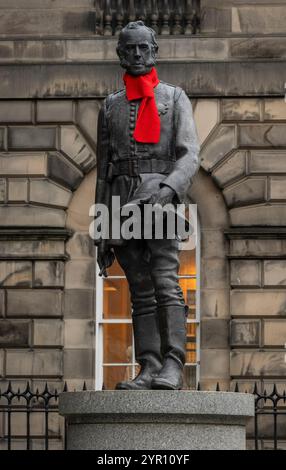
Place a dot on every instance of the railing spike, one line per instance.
(65, 389)
(217, 387)
(199, 386)
(84, 386)
(9, 389)
(255, 390)
(46, 389)
(236, 388)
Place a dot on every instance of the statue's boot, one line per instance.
(173, 331)
(147, 352)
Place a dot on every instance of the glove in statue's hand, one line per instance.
(163, 196)
(105, 258)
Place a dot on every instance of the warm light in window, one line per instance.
(118, 353)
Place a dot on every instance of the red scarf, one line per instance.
(147, 128)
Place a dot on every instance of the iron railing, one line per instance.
(164, 16)
(266, 431)
(19, 429)
(269, 405)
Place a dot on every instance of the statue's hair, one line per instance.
(137, 25)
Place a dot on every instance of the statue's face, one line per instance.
(137, 53)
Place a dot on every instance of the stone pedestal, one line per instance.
(156, 420)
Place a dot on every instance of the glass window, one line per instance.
(116, 302)
(115, 359)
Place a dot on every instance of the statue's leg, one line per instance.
(132, 259)
(172, 312)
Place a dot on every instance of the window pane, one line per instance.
(189, 290)
(115, 270)
(117, 337)
(191, 355)
(117, 343)
(187, 262)
(116, 299)
(189, 380)
(113, 375)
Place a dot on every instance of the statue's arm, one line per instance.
(187, 148)
(102, 154)
(102, 157)
(105, 256)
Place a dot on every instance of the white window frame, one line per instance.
(100, 321)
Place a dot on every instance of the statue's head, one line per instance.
(137, 48)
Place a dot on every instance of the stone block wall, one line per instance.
(243, 16)
(258, 300)
(258, 321)
(244, 332)
(47, 264)
(49, 17)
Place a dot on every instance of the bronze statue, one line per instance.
(155, 164)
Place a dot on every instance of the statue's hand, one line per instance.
(105, 258)
(163, 196)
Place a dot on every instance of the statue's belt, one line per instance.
(135, 166)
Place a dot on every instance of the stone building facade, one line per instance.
(57, 63)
